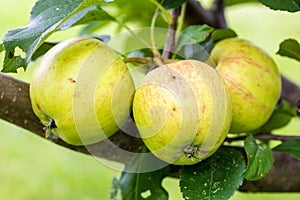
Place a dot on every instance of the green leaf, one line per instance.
(221, 34)
(194, 34)
(86, 16)
(195, 42)
(289, 146)
(234, 2)
(169, 4)
(43, 49)
(46, 17)
(280, 117)
(290, 48)
(92, 27)
(126, 10)
(196, 51)
(1, 48)
(217, 177)
(277, 120)
(48, 45)
(260, 159)
(286, 5)
(133, 185)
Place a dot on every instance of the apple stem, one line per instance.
(47, 129)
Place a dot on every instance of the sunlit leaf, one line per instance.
(260, 159)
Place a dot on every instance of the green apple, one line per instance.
(253, 80)
(182, 111)
(83, 87)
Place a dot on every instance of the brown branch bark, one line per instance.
(15, 107)
(214, 17)
(283, 177)
(290, 92)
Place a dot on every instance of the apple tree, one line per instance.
(175, 93)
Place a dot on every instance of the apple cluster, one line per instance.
(183, 110)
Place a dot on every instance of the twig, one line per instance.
(156, 55)
(181, 18)
(170, 41)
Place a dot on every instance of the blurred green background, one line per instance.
(34, 168)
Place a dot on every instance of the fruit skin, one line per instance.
(77, 84)
(253, 80)
(182, 111)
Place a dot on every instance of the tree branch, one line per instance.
(283, 177)
(290, 91)
(214, 17)
(15, 107)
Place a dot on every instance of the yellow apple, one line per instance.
(253, 80)
(83, 87)
(182, 111)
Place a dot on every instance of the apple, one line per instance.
(82, 90)
(253, 80)
(182, 111)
